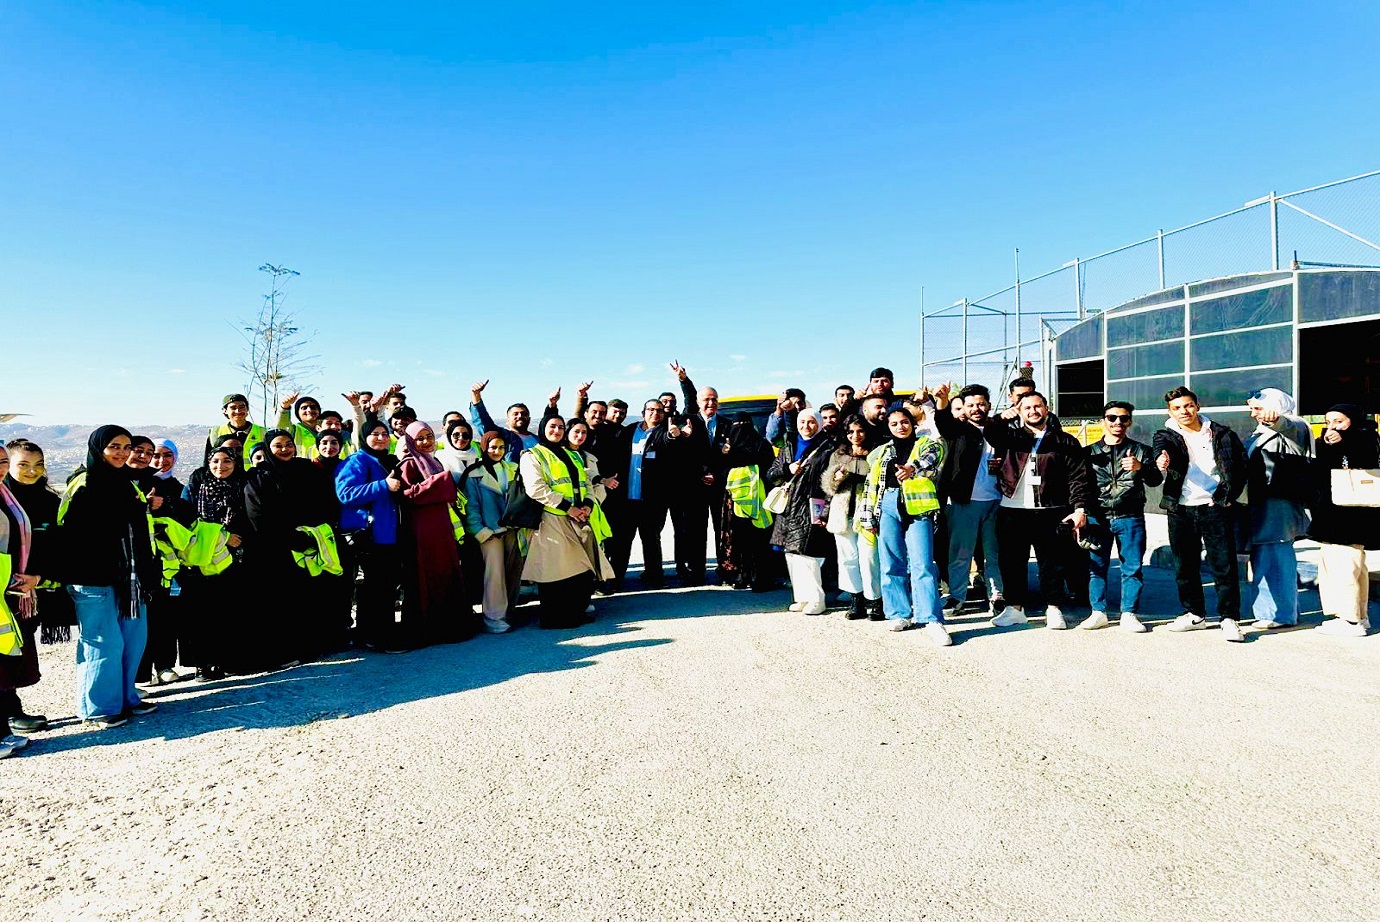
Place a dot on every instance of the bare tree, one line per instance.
(276, 358)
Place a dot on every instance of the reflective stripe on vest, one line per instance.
(749, 495)
(324, 558)
(562, 485)
(918, 493)
(11, 638)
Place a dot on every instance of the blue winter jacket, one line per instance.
(365, 500)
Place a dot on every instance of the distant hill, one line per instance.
(64, 447)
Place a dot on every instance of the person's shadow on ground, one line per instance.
(358, 682)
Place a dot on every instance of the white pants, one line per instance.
(501, 559)
(807, 580)
(859, 569)
(1343, 582)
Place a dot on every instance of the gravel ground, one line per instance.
(705, 755)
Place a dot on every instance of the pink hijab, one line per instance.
(425, 460)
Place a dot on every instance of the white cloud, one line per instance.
(738, 357)
(177, 371)
(636, 369)
(547, 363)
(371, 363)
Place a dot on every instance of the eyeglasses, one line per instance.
(1117, 418)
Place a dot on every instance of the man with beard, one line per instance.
(969, 482)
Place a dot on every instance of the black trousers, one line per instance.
(562, 604)
(714, 499)
(1192, 529)
(165, 625)
(689, 520)
(376, 601)
(1019, 531)
(645, 518)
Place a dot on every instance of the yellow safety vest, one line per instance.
(11, 638)
(918, 493)
(749, 495)
(256, 434)
(324, 558)
(563, 486)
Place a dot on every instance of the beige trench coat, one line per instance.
(560, 548)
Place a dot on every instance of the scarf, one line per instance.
(17, 546)
(170, 446)
(218, 500)
(386, 459)
(426, 461)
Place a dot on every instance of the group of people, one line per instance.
(378, 530)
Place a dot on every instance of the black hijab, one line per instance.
(382, 455)
(218, 500)
(329, 465)
(747, 446)
(1359, 445)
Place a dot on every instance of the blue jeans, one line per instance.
(1129, 533)
(910, 579)
(969, 523)
(109, 648)
(1274, 582)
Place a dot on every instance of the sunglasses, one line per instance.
(1117, 418)
(1255, 394)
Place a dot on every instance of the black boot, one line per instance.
(859, 609)
(874, 610)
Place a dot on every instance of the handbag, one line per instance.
(777, 498)
(521, 511)
(1353, 486)
(838, 521)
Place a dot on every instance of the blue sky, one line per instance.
(540, 193)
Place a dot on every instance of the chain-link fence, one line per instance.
(986, 340)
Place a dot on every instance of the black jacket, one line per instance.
(794, 530)
(1060, 463)
(1231, 465)
(965, 443)
(1333, 524)
(1119, 492)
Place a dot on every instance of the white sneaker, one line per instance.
(795, 606)
(1129, 622)
(938, 634)
(898, 624)
(1340, 627)
(1014, 614)
(15, 742)
(1187, 622)
(1054, 618)
(496, 626)
(1264, 624)
(1095, 621)
(1231, 630)
(813, 609)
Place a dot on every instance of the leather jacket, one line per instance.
(1120, 492)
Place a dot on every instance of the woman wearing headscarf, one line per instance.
(487, 484)
(746, 524)
(111, 572)
(799, 530)
(18, 617)
(843, 482)
(28, 483)
(1345, 533)
(369, 523)
(330, 443)
(565, 557)
(1276, 512)
(458, 453)
(900, 505)
(282, 495)
(434, 594)
(212, 638)
(164, 492)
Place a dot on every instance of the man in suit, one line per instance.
(710, 434)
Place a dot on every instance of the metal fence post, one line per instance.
(1017, 359)
(922, 336)
(1078, 288)
(965, 341)
(1274, 231)
(1159, 241)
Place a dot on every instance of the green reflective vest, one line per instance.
(256, 434)
(324, 558)
(918, 493)
(566, 489)
(11, 638)
(749, 495)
